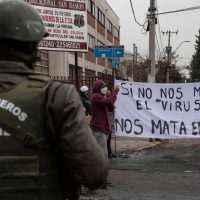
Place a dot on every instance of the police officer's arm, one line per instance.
(85, 159)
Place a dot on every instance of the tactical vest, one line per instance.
(29, 168)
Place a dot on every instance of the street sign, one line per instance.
(116, 63)
(103, 52)
(118, 52)
(114, 52)
(109, 51)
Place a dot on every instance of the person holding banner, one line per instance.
(101, 124)
(101, 103)
(47, 150)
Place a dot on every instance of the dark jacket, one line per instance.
(86, 103)
(82, 159)
(101, 105)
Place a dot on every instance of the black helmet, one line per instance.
(20, 21)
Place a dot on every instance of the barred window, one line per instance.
(42, 66)
(89, 72)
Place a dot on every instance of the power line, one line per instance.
(158, 46)
(144, 28)
(159, 29)
(181, 10)
(135, 16)
(169, 53)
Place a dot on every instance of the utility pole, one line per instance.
(168, 51)
(136, 62)
(136, 53)
(152, 31)
(76, 71)
(133, 63)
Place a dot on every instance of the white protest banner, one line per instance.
(158, 110)
(66, 22)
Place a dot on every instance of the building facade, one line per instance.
(103, 29)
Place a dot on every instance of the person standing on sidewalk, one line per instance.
(101, 102)
(109, 136)
(85, 100)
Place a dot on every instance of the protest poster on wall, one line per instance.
(152, 110)
(66, 22)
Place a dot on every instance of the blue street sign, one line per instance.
(116, 63)
(113, 52)
(118, 52)
(109, 51)
(103, 52)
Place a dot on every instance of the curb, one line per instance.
(147, 146)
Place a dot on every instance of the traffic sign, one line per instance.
(100, 52)
(116, 63)
(114, 52)
(118, 52)
(109, 51)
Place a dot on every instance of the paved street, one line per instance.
(169, 171)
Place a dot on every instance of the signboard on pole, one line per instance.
(116, 63)
(118, 52)
(109, 51)
(66, 22)
(103, 52)
(114, 52)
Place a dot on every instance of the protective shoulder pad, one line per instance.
(38, 81)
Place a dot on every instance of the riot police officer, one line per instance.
(46, 148)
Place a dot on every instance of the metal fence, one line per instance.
(86, 80)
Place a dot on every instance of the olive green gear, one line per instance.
(20, 21)
(28, 162)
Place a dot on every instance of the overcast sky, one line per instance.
(187, 23)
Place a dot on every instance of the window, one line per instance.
(99, 74)
(91, 41)
(72, 72)
(100, 16)
(110, 26)
(42, 66)
(91, 7)
(116, 32)
(99, 43)
(89, 72)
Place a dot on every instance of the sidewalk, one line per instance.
(129, 144)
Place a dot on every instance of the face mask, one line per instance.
(104, 90)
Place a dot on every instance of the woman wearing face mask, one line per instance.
(101, 102)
